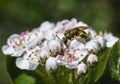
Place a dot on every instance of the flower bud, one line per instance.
(81, 69)
(93, 46)
(51, 65)
(54, 47)
(44, 55)
(92, 60)
(101, 40)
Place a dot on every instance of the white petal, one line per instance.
(7, 50)
(111, 42)
(45, 26)
(59, 60)
(71, 65)
(74, 20)
(17, 53)
(49, 35)
(13, 36)
(92, 33)
(32, 66)
(74, 43)
(22, 63)
(81, 54)
(81, 24)
(31, 40)
(51, 64)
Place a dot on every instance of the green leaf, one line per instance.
(114, 63)
(25, 79)
(102, 64)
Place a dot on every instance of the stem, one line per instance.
(73, 76)
(55, 78)
(39, 73)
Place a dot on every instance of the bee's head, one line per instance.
(64, 40)
(67, 34)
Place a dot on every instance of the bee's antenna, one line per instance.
(58, 37)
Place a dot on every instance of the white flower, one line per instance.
(101, 40)
(51, 65)
(92, 60)
(81, 69)
(30, 39)
(65, 25)
(93, 46)
(110, 39)
(76, 53)
(46, 26)
(70, 60)
(54, 47)
(15, 46)
(30, 59)
(79, 49)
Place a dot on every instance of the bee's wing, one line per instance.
(83, 27)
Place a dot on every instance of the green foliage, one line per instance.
(24, 79)
(114, 63)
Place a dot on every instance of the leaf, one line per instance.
(114, 63)
(25, 79)
(102, 64)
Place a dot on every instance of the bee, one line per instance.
(74, 32)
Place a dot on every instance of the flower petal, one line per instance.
(7, 50)
(71, 65)
(17, 53)
(22, 63)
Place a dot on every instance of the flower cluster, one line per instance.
(44, 45)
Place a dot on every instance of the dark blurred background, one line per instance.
(20, 15)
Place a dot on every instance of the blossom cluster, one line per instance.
(44, 45)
